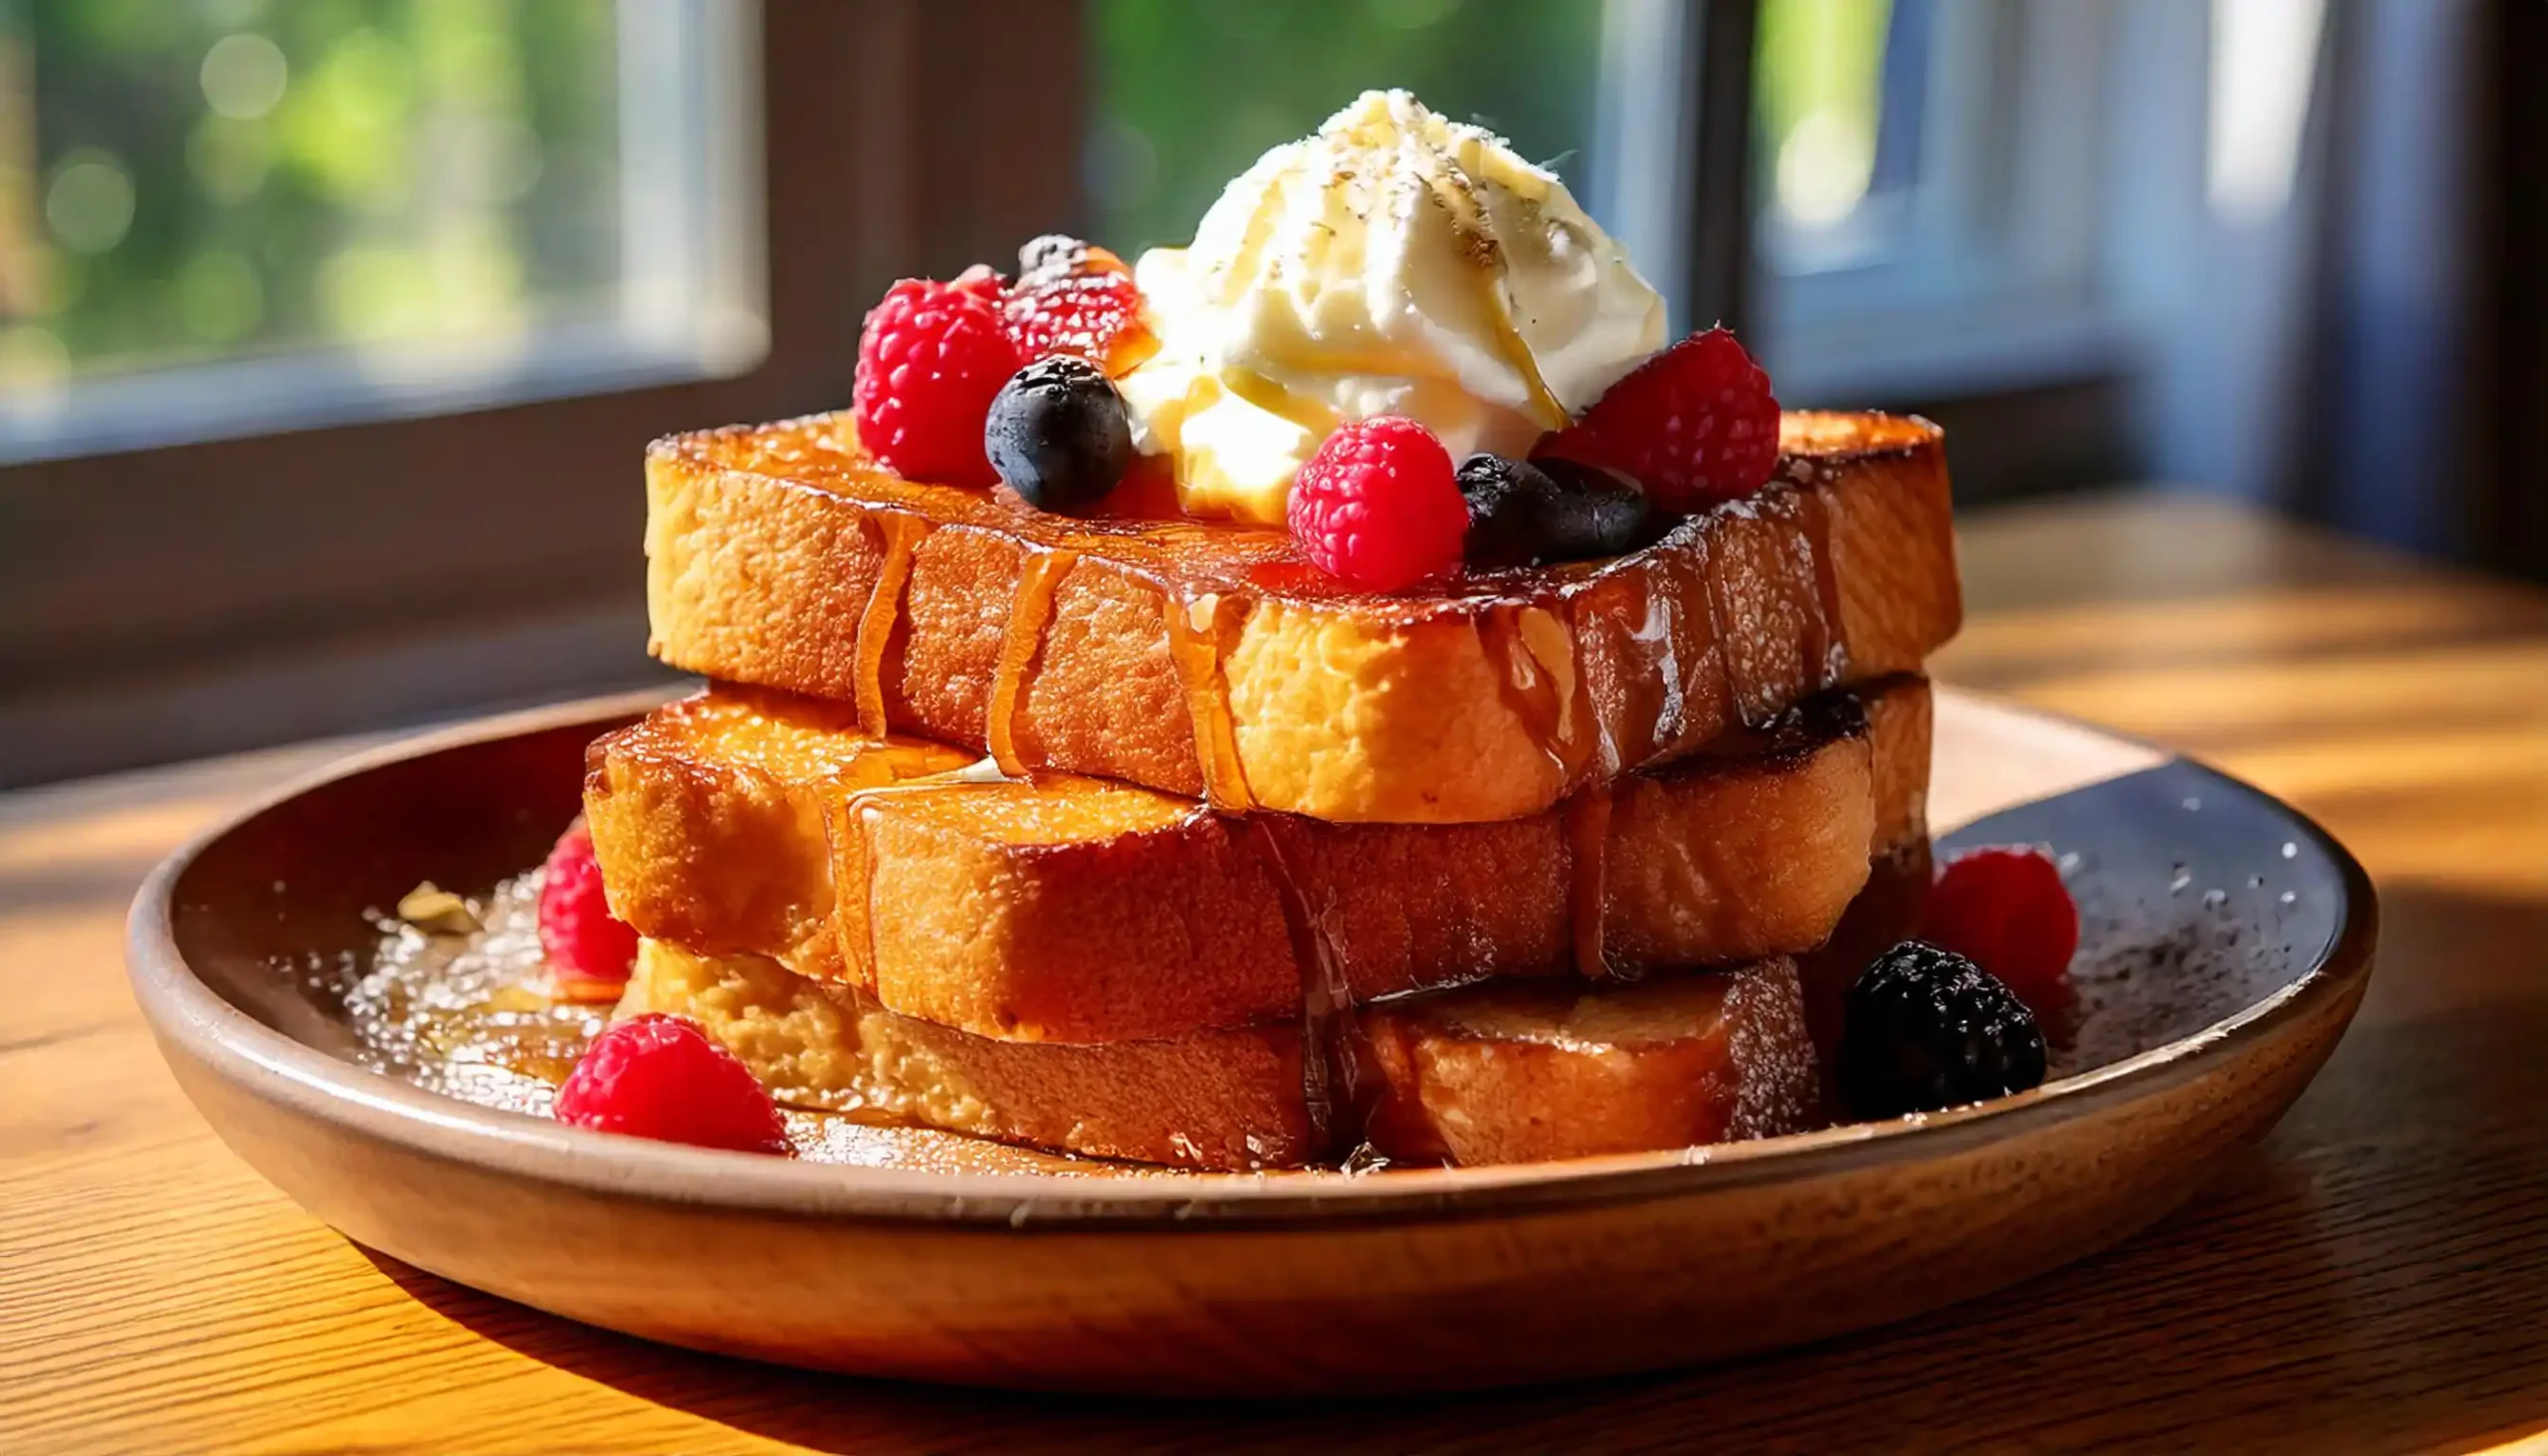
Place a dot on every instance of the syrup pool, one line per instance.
(473, 1016)
(470, 1015)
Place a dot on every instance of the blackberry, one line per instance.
(1925, 1029)
(1057, 434)
(1523, 511)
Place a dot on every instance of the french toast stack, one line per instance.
(1135, 837)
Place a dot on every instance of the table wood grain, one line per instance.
(2375, 1277)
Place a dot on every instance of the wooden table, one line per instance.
(2375, 1277)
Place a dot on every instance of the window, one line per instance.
(235, 216)
(1933, 179)
(227, 532)
(1839, 102)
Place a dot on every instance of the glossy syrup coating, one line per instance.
(1202, 656)
(1038, 911)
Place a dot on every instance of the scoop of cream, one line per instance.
(1394, 263)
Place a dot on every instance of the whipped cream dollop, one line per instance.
(1394, 263)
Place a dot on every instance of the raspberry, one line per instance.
(583, 940)
(929, 361)
(1695, 425)
(982, 282)
(1075, 297)
(2005, 909)
(661, 1076)
(1377, 506)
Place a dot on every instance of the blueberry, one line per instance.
(1925, 1028)
(1596, 513)
(1504, 510)
(1523, 511)
(1057, 434)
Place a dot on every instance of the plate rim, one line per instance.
(187, 1015)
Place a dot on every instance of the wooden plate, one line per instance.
(2229, 941)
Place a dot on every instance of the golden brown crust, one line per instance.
(1213, 1100)
(1079, 911)
(1487, 700)
(1521, 1070)
(1475, 1075)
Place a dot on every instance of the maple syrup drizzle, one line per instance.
(1730, 706)
(1535, 678)
(1831, 656)
(1588, 841)
(1329, 1073)
(856, 816)
(902, 536)
(1194, 637)
(1659, 660)
(1029, 617)
(862, 961)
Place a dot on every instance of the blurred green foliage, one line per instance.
(185, 178)
(1819, 56)
(1188, 92)
(1818, 74)
(182, 179)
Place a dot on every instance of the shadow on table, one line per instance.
(2322, 1296)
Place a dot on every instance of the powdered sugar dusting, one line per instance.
(1778, 1079)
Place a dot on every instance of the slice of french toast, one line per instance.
(1209, 660)
(1474, 1075)
(1519, 1071)
(1226, 1099)
(1526, 1071)
(1502, 1072)
(1068, 909)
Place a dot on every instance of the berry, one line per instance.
(1503, 498)
(1057, 434)
(929, 361)
(1378, 507)
(660, 1077)
(1695, 425)
(982, 282)
(1925, 1028)
(2004, 908)
(583, 940)
(1523, 512)
(1075, 297)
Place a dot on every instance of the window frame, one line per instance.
(150, 597)
(1673, 150)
